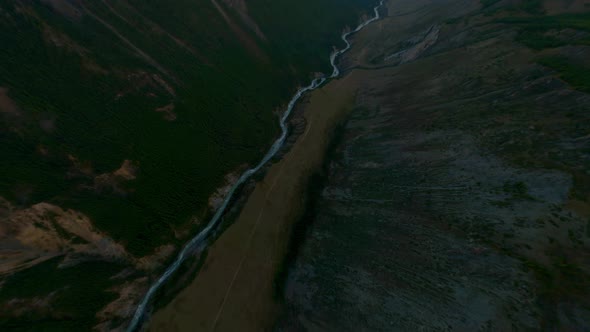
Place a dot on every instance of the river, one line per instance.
(201, 238)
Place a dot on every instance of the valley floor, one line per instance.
(455, 195)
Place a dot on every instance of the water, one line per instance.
(200, 238)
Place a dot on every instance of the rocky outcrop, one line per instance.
(43, 231)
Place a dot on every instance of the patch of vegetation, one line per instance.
(61, 231)
(560, 282)
(78, 294)
(531, 6)
(454, 20)
(545, 22)
(488, 3)
(518, 188)
(538, 40)
(535, 32)
(501, 204)
(577, 76)
(534, 29)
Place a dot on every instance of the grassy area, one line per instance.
(539, 32)
(545, 22)
(488, 3)
(78, 293)
(531, 6)
(561, 281)
(577, 76)
(538, 40)
(534, 30)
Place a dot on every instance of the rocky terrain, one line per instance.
(456, 196)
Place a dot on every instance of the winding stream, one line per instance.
(202, 236)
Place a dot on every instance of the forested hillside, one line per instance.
(119, 122)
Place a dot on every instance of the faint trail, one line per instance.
(248, 246)
(203, 235)
(306, 131)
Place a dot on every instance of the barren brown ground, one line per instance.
(234, 289)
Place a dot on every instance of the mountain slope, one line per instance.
(119, 120)
(456, 196)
